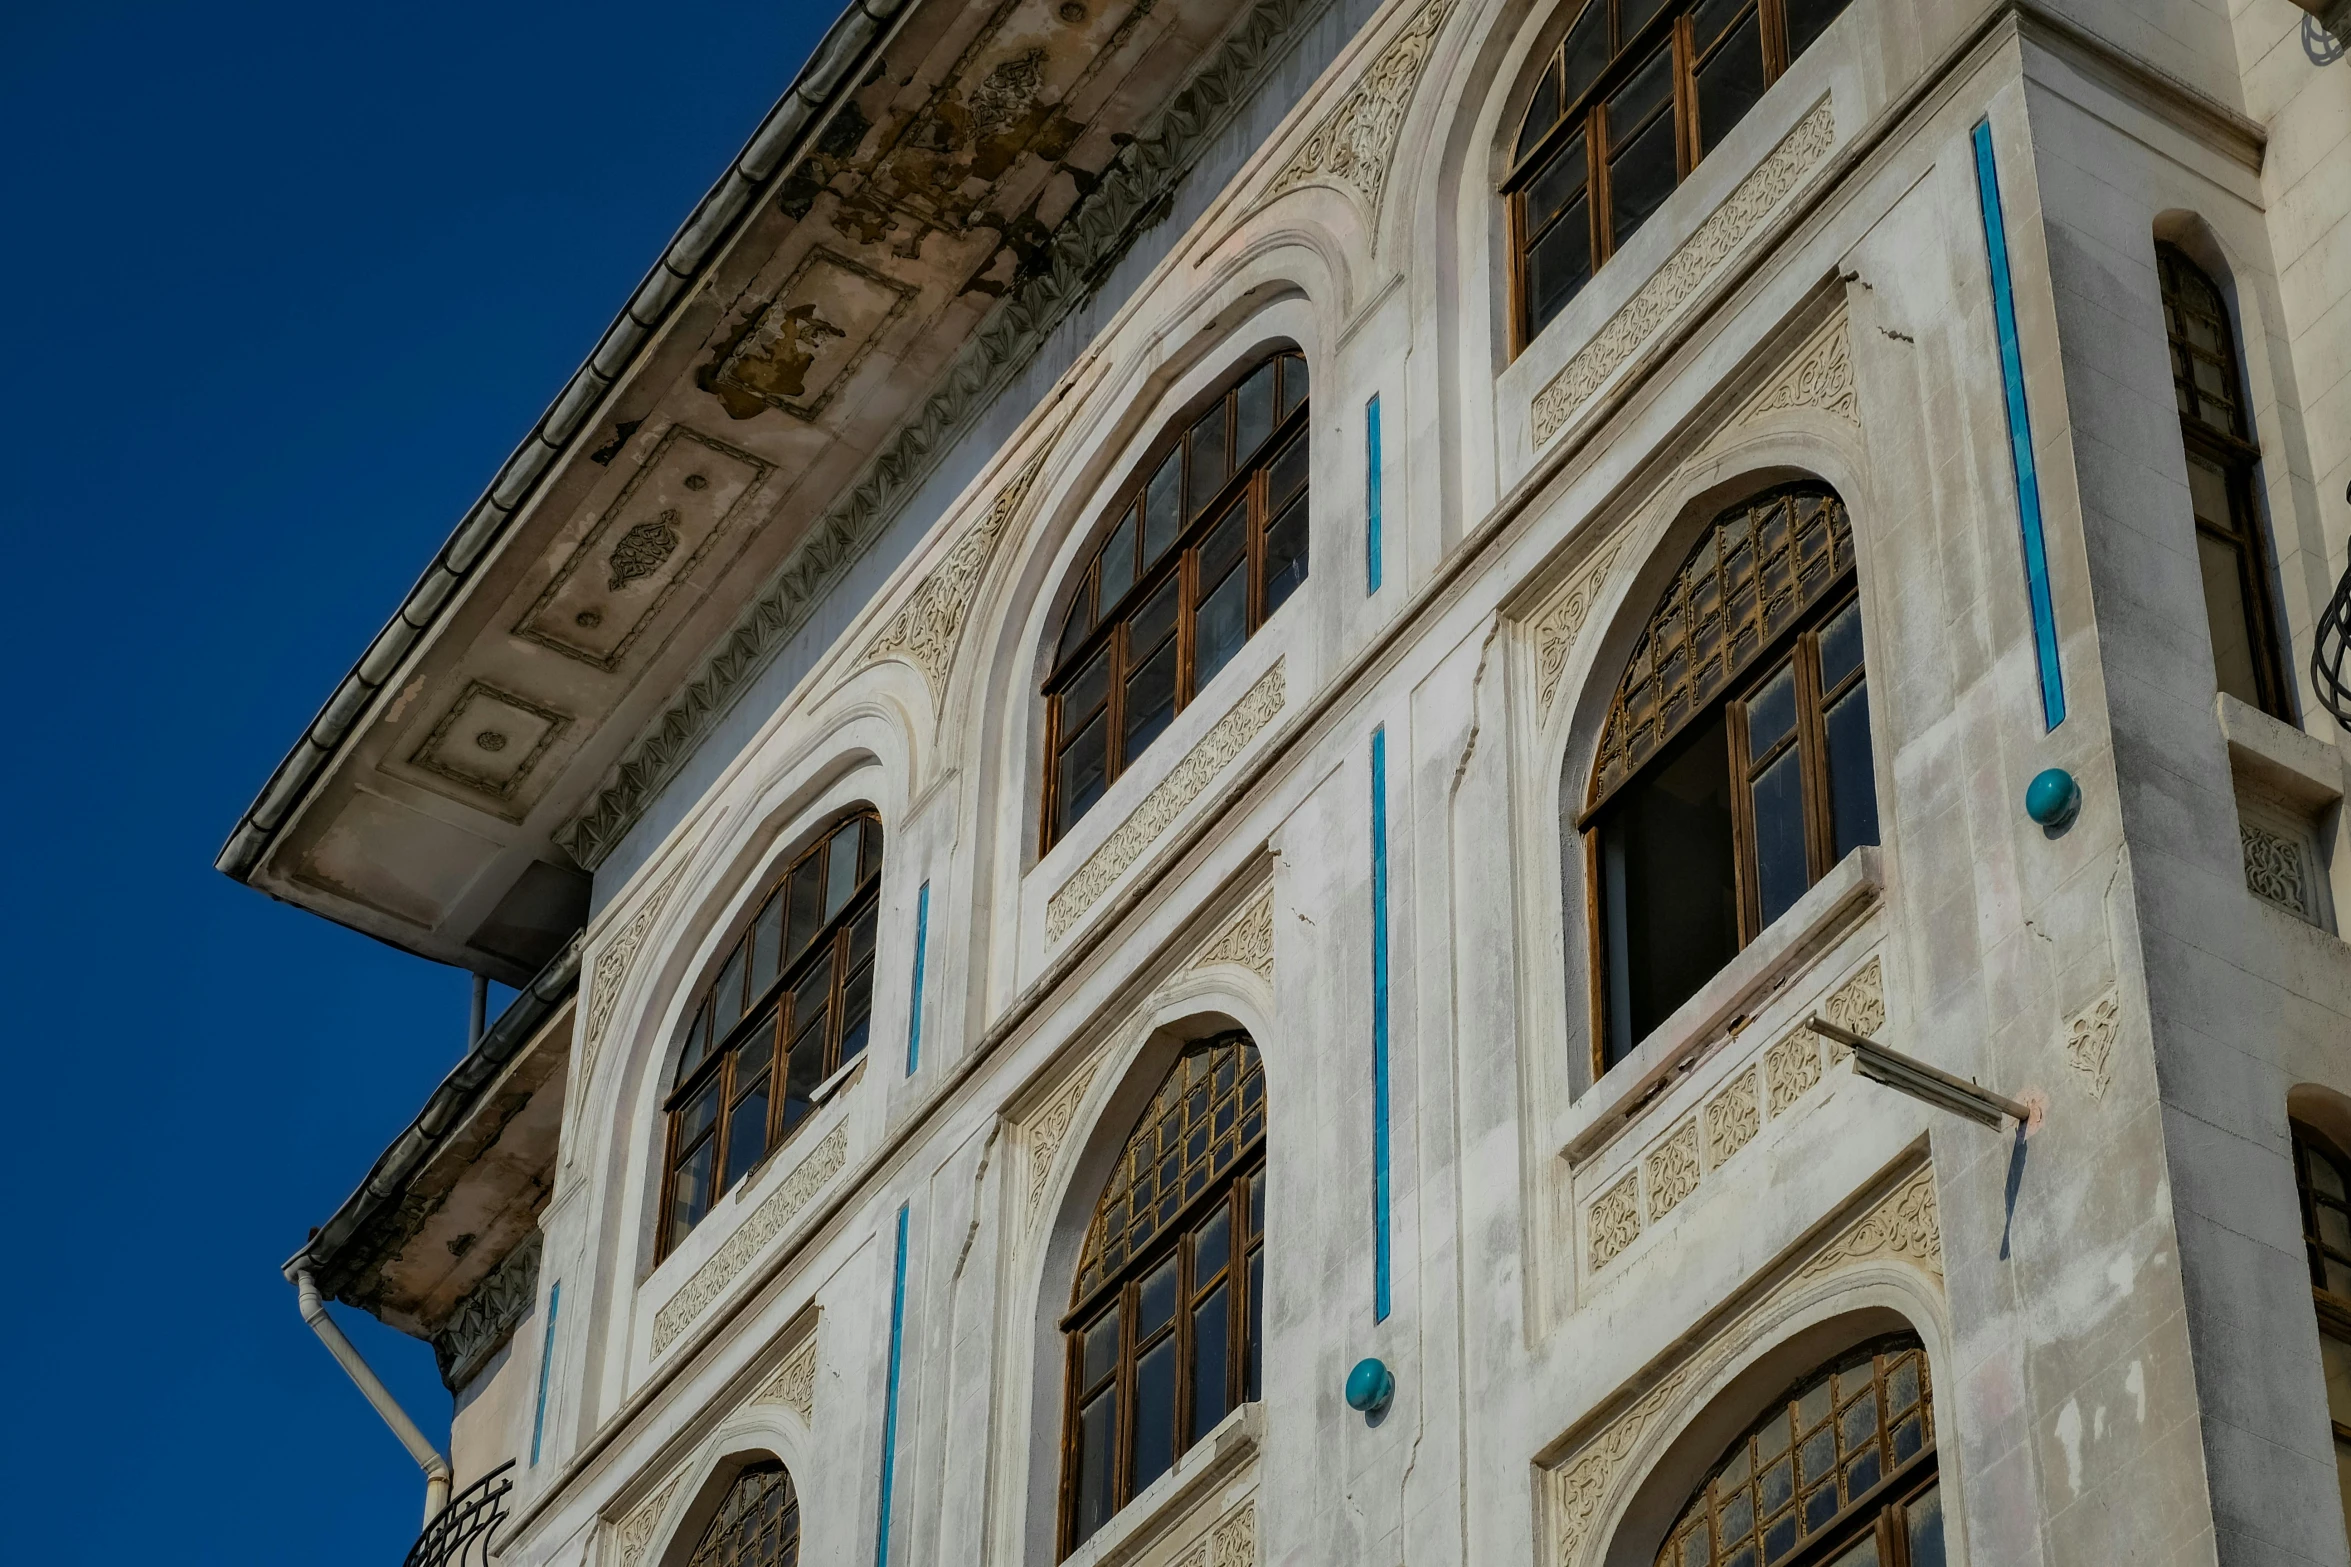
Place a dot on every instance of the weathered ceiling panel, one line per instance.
(938, 178)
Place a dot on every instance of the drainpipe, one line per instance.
(479, 1023)
(428, 1457)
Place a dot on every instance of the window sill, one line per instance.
(1174, 1495)
(2299, 767)
(1707, 1020)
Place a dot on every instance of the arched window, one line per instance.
(1202, 548)
(1635, 94)
(758, 1525)
(2209, 386)
(1163, 1323)
(797, 987)
(1840, 1471)
(1734, 766)
(2322, 1178)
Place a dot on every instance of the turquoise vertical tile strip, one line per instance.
(1371, 458)
(922, 941)
(1379, 1023)
(881, 1547)
(2020, 433)
(546, 1363)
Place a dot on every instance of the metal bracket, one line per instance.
(1907, 1074)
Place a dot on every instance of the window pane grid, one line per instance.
(1162, 605)
(1817, 1459)
(758, 1525)
(803, 1017)
(1163, 1341)
(1751, 578)
(1721, 57)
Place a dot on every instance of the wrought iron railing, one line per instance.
(2331, 650)
(459, 1534)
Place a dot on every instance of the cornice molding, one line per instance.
(1123, 205)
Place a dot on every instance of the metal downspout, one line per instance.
(428, 1457)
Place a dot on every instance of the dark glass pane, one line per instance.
(2209, 492)
(1154, 620)
(1560, 264)
(1923, 1522)
(1117, 571)
(1807, 20)
(1641, 169)
(807, 908)
(1556, 184)
(1781, 874)
(1257, 1206)
(1771, 712)
(1085, 691)
(1252, 1386)
(746, 1133)
(1151, 699)
(1708, 18)
(1285, 556)
(699, 1115)
(2225, 611)
(767, 941)
(1286, 475)
(690, 1198)
(1221, 628)
(1155, 1300)
(1853, 790)
(751, 1057)
(726, 996)
(1224, 544)
(1542, 111)
(1101, 1351)
(803, 1070)
(1096, 1477)
(697, 1041)
(1779, 1537)
(840, 870)
(1253, 412)
(856, 1010)
(1208, 463)
(1212, 1244)
(1082, 778)
(810, 994)
(1779, 1481)
(1293, 383)
(1078, 621)
(1212, 1324)
(1668, 905)
(1840, 647)
(1631, 17)
(870, 859)
(1155, 1410)
(1729, 82)
(1163, 508)
(1585, 54)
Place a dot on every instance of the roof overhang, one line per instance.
(935, 168)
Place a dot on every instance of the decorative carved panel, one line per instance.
(1819, 376)
(635, 1532)
(796, 353)
(925, 630)
(489, 741)
(1732, 1119)
(1559, 622)
(666, 522)
(611, 970)
(1615, 1219)
(2089, 1042)
(1247, 941)
(1673, 1169)
(1790, 1068)
(1687, 271)
(1354, 146)
(1050, 1129)
(2274, 869)
(794, 1384)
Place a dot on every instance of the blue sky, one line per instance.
(284, 285)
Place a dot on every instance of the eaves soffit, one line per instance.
(669, 483)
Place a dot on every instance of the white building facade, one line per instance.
(1209, 690)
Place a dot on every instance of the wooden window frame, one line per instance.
(1240, 1189)
(768, 1011)
(1248, 485)
(2333, 1310)
(1880, 1511)
(1586, 115)
(2225, 444)
(1797, 640)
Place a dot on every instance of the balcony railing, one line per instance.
(2331, 650)
(459, 1534)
